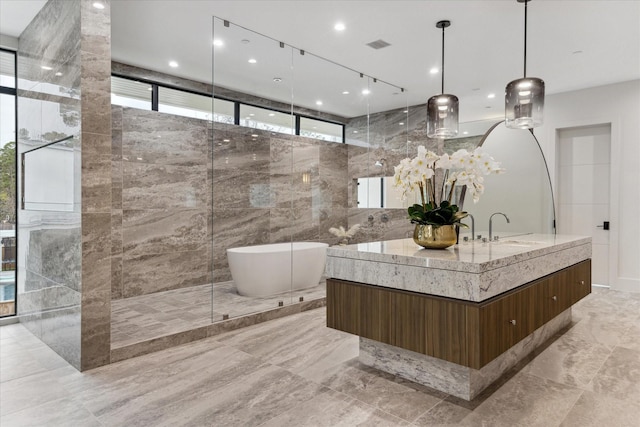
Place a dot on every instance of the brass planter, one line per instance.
(431, 237)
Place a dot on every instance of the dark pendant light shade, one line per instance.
(524, 98)
(442, 110)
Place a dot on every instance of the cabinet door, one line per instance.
(580, 281)
(527, 314)
(343, 306)
(556, 294)
(409, 322)
(497, 323)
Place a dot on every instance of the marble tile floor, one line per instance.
(146, 317)
(294, 371)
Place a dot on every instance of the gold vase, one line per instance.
(431, 237)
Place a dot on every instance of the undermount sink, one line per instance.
(521, 243)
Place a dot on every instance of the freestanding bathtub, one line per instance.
(265, 270)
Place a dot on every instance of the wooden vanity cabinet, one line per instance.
(462, 332)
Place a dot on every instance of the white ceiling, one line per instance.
(484, 45)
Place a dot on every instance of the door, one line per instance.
(584, 156)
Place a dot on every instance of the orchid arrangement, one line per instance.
(460, 168)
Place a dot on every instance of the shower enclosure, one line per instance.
(275, 160)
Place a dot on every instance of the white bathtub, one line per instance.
(264, 270)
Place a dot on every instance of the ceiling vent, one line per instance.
(378, 44)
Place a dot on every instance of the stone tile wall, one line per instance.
(167, 188)
(389, 141)
(64, 272)
(274, 188)
(162, 194)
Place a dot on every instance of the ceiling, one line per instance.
(572, 44)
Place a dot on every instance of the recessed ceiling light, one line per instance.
(434, 70)
(173, 64)
(401, 123)
(271, 114)
(345, 92)
(98, 5)
(491, 95)
(366, 91)
(149, 88)
(226, 140)
(277, 79)
(465, 133)
(355, 131)
(58, 74)
(254, 135)
(44, 67)
(252, 61)
(251, 114)
(405, 111)
(339, 26)
(318, 102)
(247, 118)
(218, 42)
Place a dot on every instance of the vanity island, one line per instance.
(455, 319)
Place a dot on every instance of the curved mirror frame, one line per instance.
(523, 192)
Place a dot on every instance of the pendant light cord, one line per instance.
(443, 27)
(525, 37)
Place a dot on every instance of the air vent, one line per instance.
(378, 44)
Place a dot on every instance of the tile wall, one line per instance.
(65, 266)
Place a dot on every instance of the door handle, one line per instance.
(605, 225)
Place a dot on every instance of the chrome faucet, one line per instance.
(490, 224)
(473, 226)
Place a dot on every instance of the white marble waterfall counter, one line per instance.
(472, 271)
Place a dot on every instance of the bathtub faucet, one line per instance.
(490, 224)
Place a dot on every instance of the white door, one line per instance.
(584, 157)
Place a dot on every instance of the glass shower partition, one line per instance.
(286, 170)
(252, 163)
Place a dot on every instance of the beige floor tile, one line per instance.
(619, 376)
(525, 400)
(596, 410)
(294, 371)
(64, 412)
(570, 360)
(402, 398)
(334, 409)
(33, 390)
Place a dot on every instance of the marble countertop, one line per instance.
(472, 257)
(472, 271)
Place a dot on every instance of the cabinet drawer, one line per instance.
(580, 281)
(462, 332)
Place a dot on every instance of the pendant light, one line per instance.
(524, 98)
(442, 110)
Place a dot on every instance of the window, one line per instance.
(265, 119)
(130, 93)
(7, 69)
(320, 129)
(183, 103)
(8, 194)
(152, 96)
